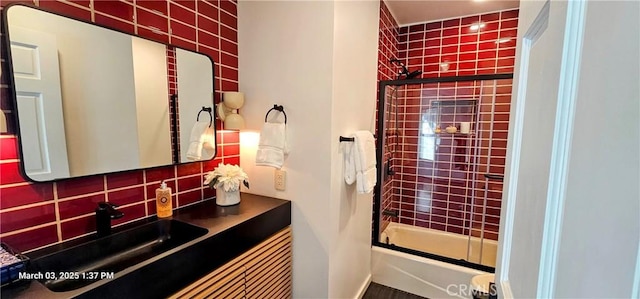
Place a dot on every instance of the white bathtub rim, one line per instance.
(396, 225)
(426, 260)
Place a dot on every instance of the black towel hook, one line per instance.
(208, 110)
(277, 108)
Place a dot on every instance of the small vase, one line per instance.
(224, 198)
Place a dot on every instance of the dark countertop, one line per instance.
(232, 231)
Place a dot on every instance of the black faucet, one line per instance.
(104, 213)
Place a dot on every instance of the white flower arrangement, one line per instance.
(226, 176)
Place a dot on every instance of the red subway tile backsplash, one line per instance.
(194, 25)
(34, 238)
(79, 206)
(27, 217)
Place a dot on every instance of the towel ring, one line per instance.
(208, 110)
(277, 108)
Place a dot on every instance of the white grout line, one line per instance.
(57, 209)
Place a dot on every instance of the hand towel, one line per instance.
(273, 145)
(197, 139)
(364, 153)
(349, 162)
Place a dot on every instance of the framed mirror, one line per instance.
(93, 100)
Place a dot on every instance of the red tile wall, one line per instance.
(387, 50)
(444, 187)
(33, 215)
(450, 192)
(488, 50)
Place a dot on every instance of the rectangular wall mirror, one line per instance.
(92, 100)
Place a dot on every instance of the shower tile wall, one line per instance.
(442, 183)
(453, 48)
(38, 214)
(387, 49)
(445, 189)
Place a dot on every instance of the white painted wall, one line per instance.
(152, 114)
(285, 57)
(601, 225)
(355, 67)
(321, 66)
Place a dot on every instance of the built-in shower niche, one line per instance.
(453, 113)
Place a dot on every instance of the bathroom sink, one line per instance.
(86, 263)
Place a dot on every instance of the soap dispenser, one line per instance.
(164, 206)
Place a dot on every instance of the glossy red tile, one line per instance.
(118, 9)
(229, 60)
(181, 14)
(25, 218)
(152, 21)
(189, 197)
(32, 239)
(509, 14)
(232, 160)
(228, 19)
(189, 169)
(189, 4)
(231, 137)
(80, 206)
(153, 34)
(229, 6)
(124, 179)
(67, 10)
(25, 194)
(186, 32)
(207, 39)
(229, 33)
(208, 10)
(78, 227)
(130, 213)
(183, 43)
(154, 5)
(189, 183)
(10, 173)
(113, 23)
(127, 196)
(8, 148)
(160, 173)
(74, 187)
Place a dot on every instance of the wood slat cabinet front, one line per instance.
(262, 272)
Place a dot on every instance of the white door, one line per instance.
(532, 146)
(37, 79)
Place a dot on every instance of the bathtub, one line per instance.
(422, 276)
(441, 243)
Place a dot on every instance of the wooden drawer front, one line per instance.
(262, 272)
(226, 282)
(268, 271)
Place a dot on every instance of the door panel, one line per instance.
(35, 64)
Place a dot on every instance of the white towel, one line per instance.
(200, 134)
(364, 155)
(349, 162)
(273, 145)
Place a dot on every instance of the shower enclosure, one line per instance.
(439, 191)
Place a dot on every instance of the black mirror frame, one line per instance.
(173, 117)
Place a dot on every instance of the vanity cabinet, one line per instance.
(262, 272)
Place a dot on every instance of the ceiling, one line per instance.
(420, 11)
